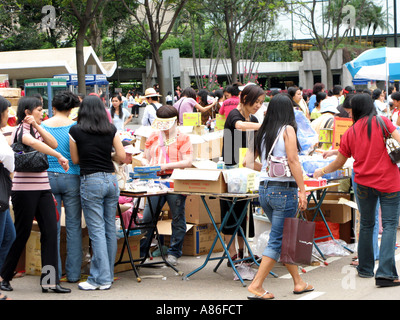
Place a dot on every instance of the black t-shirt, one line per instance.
(235, 139)
(94, 150)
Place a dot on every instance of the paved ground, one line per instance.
(337, 281)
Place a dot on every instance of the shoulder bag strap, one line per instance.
(281, 130)
(179, 109)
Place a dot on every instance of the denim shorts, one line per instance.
(278, 202)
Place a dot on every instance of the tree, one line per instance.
(84, 12)
(337, 22)
(155, 20)
(237, 17)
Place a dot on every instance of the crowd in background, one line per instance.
(82, 145)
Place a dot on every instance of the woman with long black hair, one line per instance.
(377, 178)
(279, 196)
(32, 198)
(120, 116)
(91, 144)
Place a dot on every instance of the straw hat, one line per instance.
(151, 92)
(163, 123)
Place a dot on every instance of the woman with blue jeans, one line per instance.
(378, 179)
(279, 196)
(91, 143)
(65, 185)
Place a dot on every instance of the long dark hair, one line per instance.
(26, 103)
(92, 116)
(280, 113)
(363, 107)
(116, 95)
(4, 105)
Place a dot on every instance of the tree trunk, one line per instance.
(80, 63)
(160, 74)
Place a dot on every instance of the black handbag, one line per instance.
(392, 146)
(5, 188)
(28, 159)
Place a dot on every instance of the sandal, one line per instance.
(262, 297)
(381, 282)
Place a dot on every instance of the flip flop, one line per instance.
(380, 282)
(304, 290)
(256, 297)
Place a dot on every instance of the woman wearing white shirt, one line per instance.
(7, 229)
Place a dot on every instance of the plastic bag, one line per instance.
(332, 248)
(262, 242)
(306, 135)
(245, 271)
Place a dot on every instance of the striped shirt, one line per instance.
(61, 134)
(30, 181)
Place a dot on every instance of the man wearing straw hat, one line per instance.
(151, 96)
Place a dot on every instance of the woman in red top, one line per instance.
(377, 178)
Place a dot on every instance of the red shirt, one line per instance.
(228, 105)
(372, 165)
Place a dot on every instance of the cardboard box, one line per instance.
(196, 212)
(10, 92)
(198, 180)
(197, 241)
(134, 243)
(332, 210)
(33, 263)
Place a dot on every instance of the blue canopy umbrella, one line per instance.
(376, 64)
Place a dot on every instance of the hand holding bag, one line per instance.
(278, 166)
(5, 188)
(297, 241)
(28, 159)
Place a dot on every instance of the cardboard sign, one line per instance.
(340, 126)
(192, 119)
(220, 121)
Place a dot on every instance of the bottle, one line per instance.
(221, 163)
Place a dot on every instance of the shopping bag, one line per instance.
(297, 241)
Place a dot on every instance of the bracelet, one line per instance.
(323, 171)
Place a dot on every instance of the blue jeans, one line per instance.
(390, 206)
(7, 235)
(176, 203)
(99, 198)
(65, 188)
(376, 228)
(278, 202)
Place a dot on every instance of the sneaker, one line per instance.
(172, 260)
(87, 286)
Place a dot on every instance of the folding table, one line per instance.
(233, 198)
(318, 200)
(155, 214)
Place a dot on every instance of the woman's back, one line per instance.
(61, 134)
(372, 165)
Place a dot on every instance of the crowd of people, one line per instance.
(81, 175)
